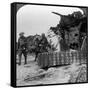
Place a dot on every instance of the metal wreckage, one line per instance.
(73, 29)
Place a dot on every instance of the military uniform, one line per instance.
(22, 49)
(43, 44)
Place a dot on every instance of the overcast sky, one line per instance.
(35, 19)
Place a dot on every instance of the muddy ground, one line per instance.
(32, 74)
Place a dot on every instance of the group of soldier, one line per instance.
(23, 50)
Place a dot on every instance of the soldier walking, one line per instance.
(22, 47)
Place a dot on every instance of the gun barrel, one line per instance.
(57, 13)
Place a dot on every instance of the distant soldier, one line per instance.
(43, 43)
(22, 47)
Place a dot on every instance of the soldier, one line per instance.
(43, 43)
(22, 47)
